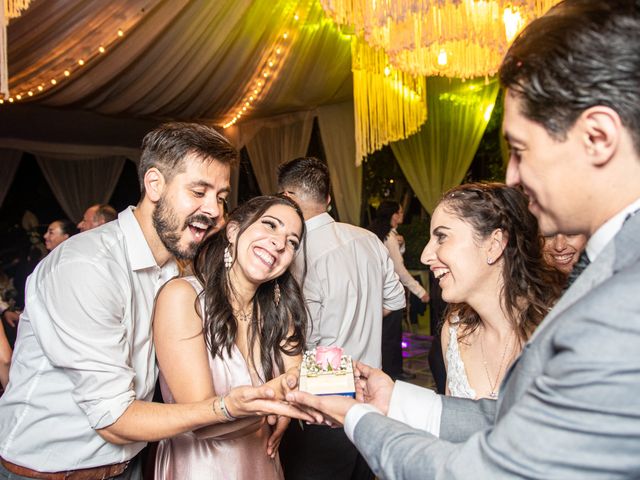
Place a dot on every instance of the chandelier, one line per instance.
(450, 38)
(397, 43)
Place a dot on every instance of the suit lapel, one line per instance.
(622, 250)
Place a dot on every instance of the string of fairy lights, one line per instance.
(50, 79)
(268, 69)
(255, 89)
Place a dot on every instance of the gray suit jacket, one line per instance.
(569, 407)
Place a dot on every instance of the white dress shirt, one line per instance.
(84, 350)
(350, 279)
(422, 408)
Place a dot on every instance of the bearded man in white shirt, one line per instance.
(349, 285)
(569, 406)
(78, 403)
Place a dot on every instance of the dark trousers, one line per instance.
(437, 310)
(318, 452)
(392, 343)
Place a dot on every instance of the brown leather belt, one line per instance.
(95, 473)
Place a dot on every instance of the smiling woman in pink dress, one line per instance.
(486, 252)
(239, 321)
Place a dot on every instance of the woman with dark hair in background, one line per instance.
(563, 251)
(240, 320)
(58, 232)
(388, 216)
(486, 252)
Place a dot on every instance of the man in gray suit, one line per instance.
(570, 405)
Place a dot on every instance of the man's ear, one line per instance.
(328, 200)
(601, 133)
(154, 184)
(232, 232)
(497, 243)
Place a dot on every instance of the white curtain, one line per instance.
(278, 140)
(80, 183)
(9, 161)
(179, 59)
(338, 139)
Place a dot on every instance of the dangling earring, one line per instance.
(276, 294)
(228, 259)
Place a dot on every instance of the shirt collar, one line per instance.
(318, 221)
(140, 254)
(608, 230)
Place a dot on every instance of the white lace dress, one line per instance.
(457, 380)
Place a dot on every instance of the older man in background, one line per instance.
(97, 215)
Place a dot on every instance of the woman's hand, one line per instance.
(285, 383)
(279, 425)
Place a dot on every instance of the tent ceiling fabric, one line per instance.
(178, 59)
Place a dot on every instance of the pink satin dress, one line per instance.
(185, 457)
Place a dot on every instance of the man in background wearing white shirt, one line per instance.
(83, 372)
(569, 406)
(349, 285)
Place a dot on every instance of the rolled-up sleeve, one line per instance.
(393, 291)
(78, 313)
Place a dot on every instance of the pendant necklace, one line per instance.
(493, 393)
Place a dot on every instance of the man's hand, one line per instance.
(424, 298)
(373, 386)
(246, 401)
(279, 425)
(327, 409)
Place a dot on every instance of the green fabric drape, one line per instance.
(438, 156)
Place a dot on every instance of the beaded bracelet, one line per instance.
(224, 410)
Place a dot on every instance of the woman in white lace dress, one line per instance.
(486, 252)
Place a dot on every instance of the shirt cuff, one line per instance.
(418, 407)
(354, 415)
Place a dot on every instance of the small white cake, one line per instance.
(323, 378)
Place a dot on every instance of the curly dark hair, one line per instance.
(381, 225)
(530, 286)
(270, 323)
(582, 53)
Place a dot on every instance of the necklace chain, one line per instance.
(494, 385)
(244, 316)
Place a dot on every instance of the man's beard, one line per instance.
(167, 225)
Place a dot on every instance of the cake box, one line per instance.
(327, 371)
